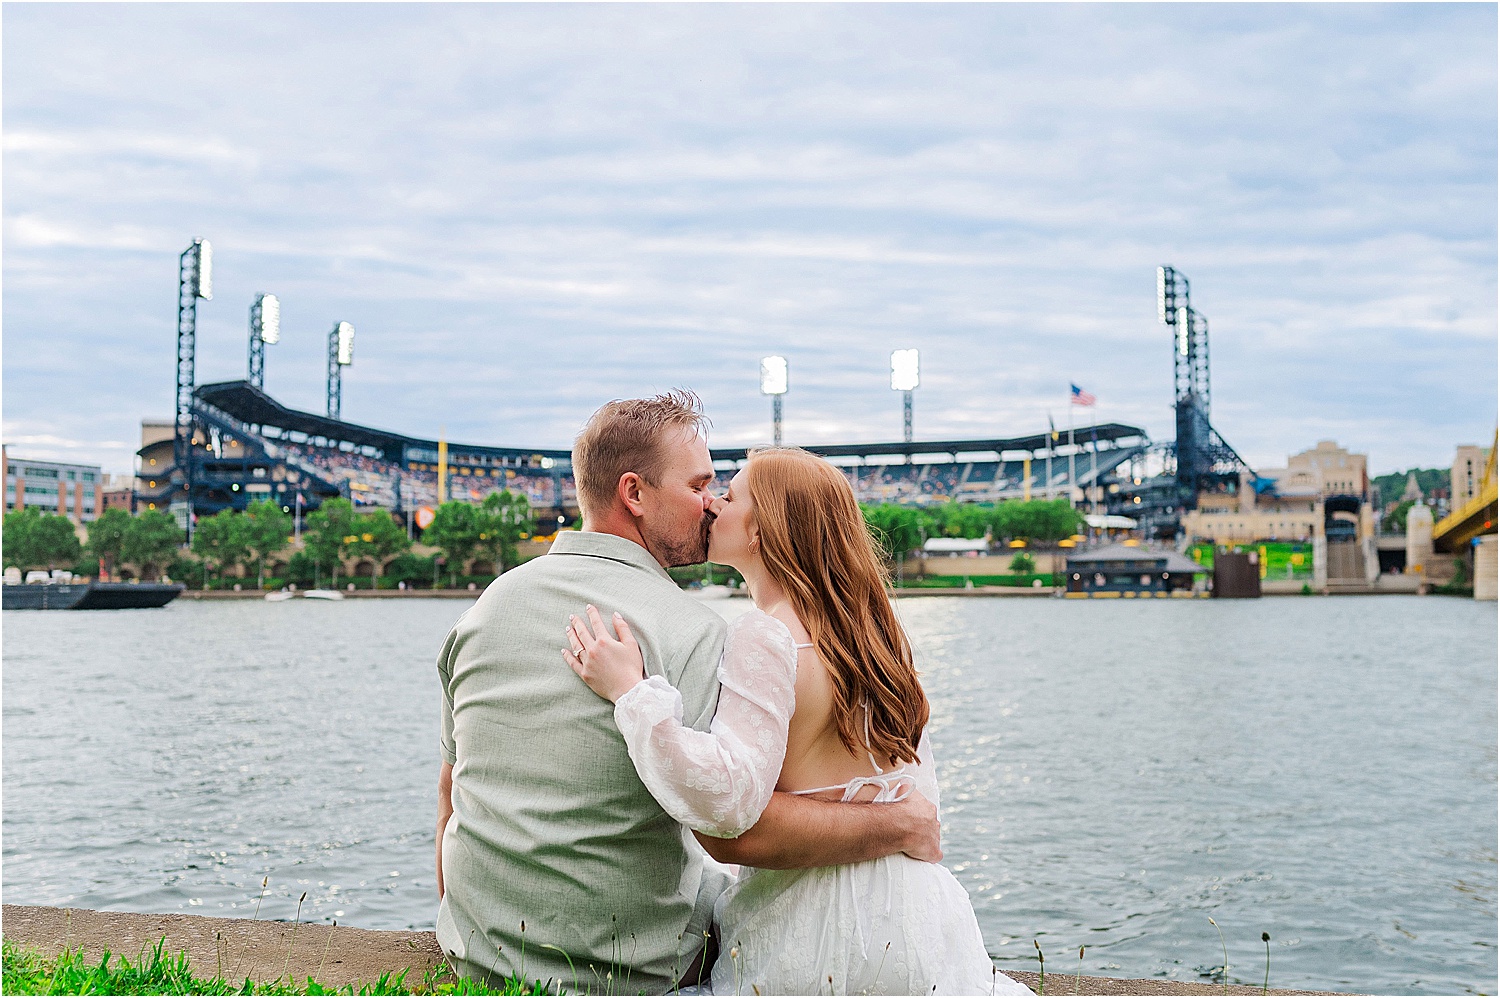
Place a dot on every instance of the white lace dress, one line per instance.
(892, 926)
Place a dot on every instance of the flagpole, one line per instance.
(1072, 477)
(1094, 462)
(1094, 453)
(1051, 440)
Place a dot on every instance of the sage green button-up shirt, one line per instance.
(551, 826)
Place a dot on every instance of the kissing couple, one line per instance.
(638, 797)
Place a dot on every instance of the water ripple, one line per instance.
(1113, 774)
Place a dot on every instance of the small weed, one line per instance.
(1225, 977)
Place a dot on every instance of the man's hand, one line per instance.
(796, 833)
(925, 833)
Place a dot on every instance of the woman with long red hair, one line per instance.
(819, 696)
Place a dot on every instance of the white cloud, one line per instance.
(526, 210)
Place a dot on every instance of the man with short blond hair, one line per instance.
(553, 858)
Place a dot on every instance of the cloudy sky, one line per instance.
(528, 210)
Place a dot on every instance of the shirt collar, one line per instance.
(615, 548)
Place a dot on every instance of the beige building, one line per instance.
(1297, 510)
(1467, 473)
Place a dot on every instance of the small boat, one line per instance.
(278, 597)
(323, 594)
(89, 596)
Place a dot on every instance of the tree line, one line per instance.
(336, 533)
(900, 529)
(332, 534)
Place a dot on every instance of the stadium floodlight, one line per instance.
(265, 327)
(773, 376)
(340, 356)
(194, 281)
(204, 285)
(270, 319)
(904, 379)
(1161, 293)
(904, 376)
(773, 381)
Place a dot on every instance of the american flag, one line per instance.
(1081, 397)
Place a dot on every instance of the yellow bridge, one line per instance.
(1473, 518)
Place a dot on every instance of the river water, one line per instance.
(1113, 774)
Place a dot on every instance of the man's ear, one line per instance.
(628, 491)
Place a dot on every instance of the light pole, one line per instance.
(773, 380)
(265, 327)
(340, 356)
(904, 379)
(194, 280)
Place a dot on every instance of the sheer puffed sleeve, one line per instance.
(718, 782)
(926, 771)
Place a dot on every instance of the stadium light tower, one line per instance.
(904, 379)
(773, 383)
(265, 327)
(340, 356)
(195, 279)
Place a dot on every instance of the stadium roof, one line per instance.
(249, 404)
(1104, 433)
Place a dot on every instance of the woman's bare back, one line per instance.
(815, 756)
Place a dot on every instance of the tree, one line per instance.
(959, 519)
(380, 536)
(897, 529)
(1394, 522)
(19, 541)
(504, 519)
(222, 539)
(1022, 564)
(330, 535)
(151, 540)
(266, 529)
(107, 537)
(33, 539)
(455, 531)
(1038, 520)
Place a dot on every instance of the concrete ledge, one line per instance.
(215, 595)
(237, 948)
(234, 948)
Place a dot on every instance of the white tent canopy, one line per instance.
(954, 545)
(1111, 522)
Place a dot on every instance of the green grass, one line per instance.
(155, 972)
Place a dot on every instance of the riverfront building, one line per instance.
(72, 490)
(1321, 492)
